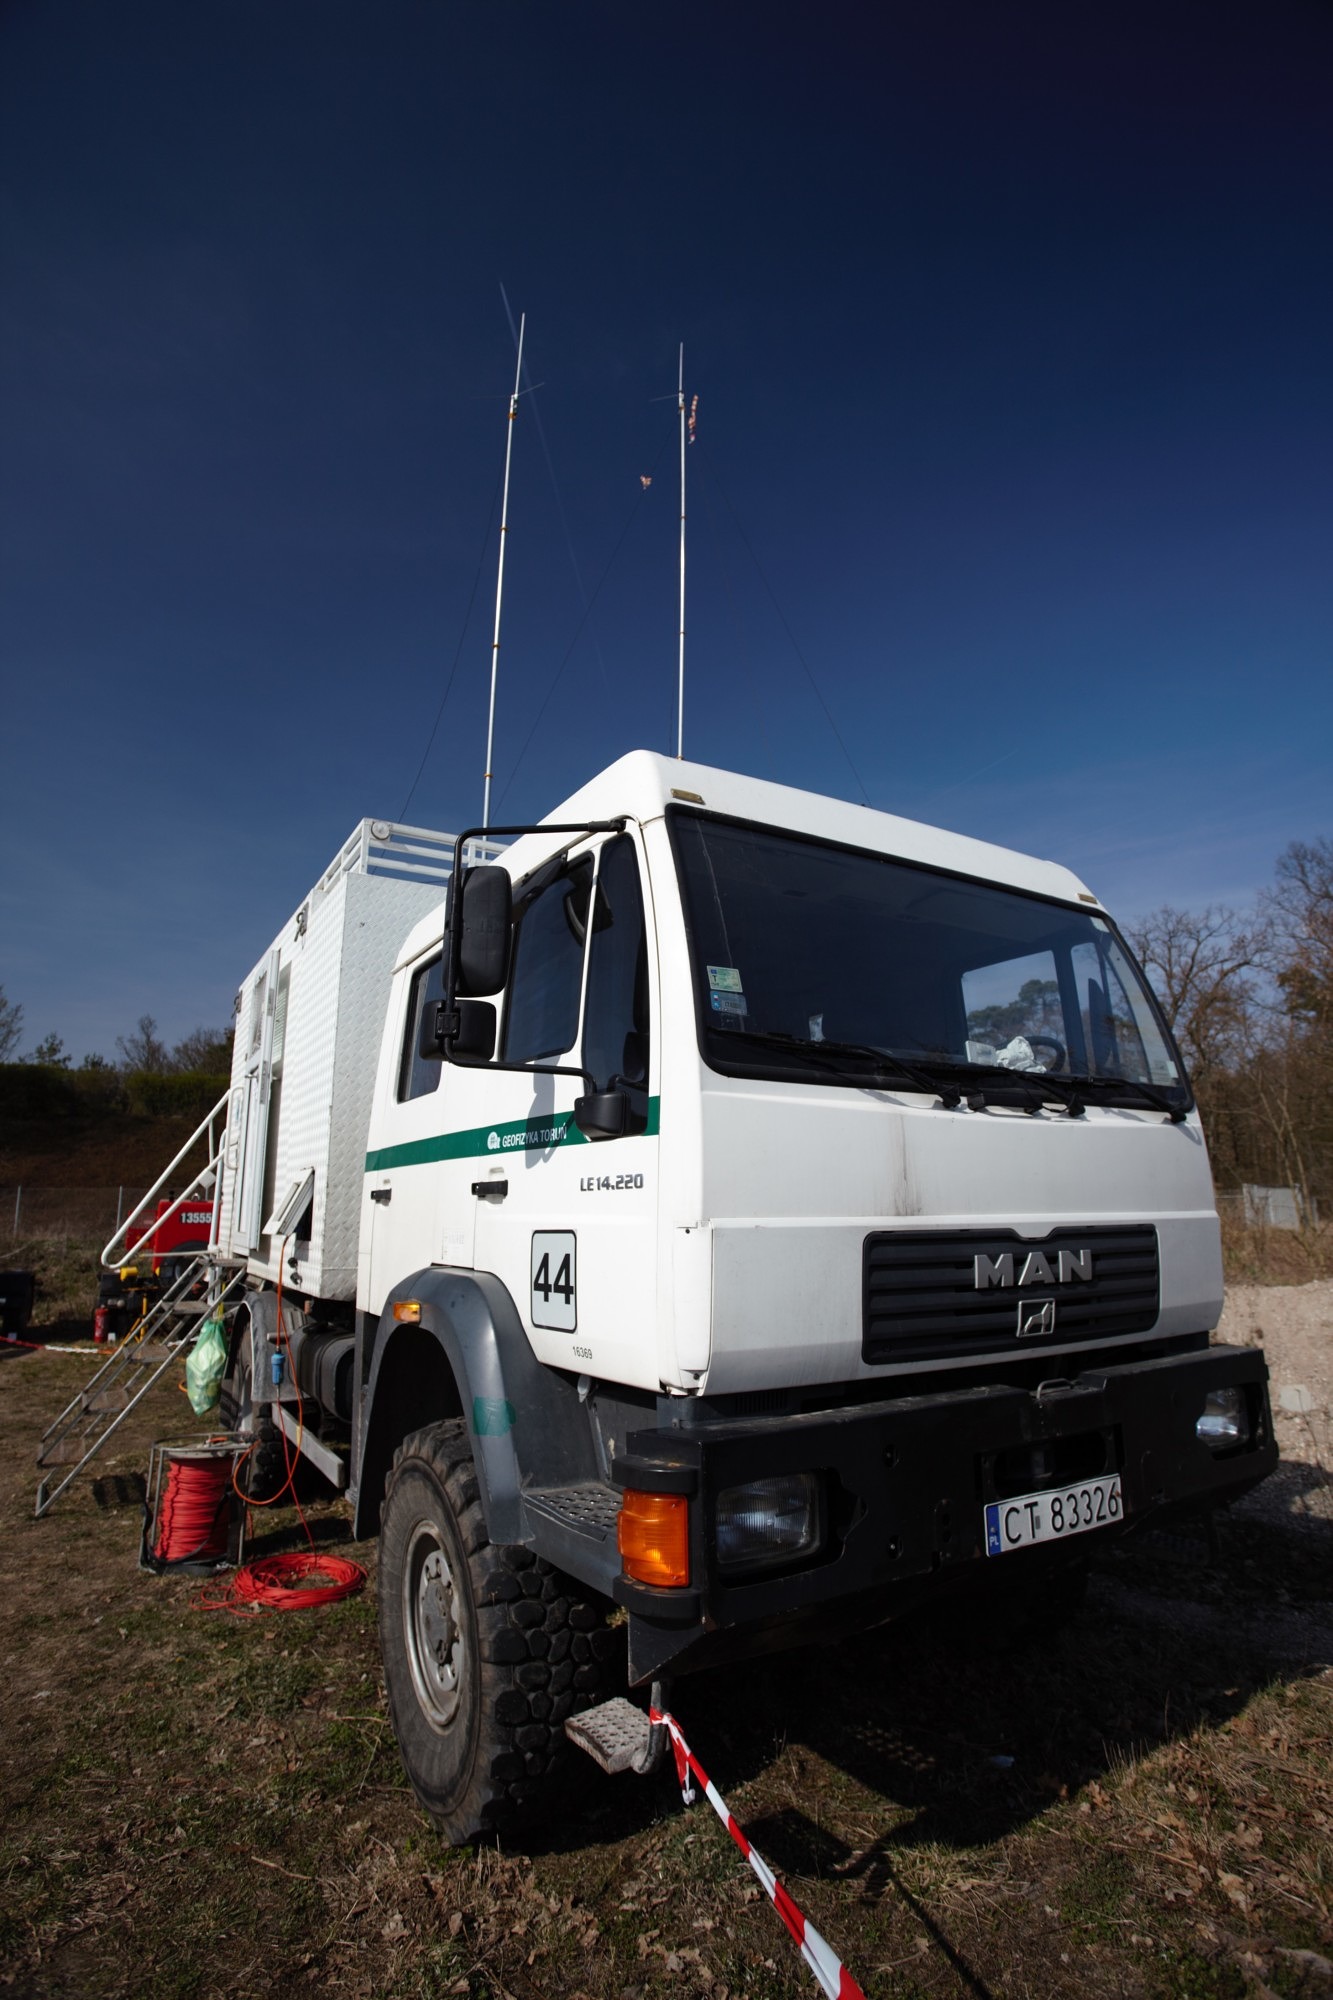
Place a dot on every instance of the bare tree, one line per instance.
(144, 1049)
(1295, 1082)
(1299, 909)
(51, 1053)
(1204, 965)
(11, 1027)
(205, 1050)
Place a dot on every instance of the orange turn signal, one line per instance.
(653, 1536)
(407, 1309)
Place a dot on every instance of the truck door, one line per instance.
(400, 1222)
(567, 1224)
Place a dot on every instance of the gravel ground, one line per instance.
(1294, 1326)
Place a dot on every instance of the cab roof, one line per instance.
(641, 785)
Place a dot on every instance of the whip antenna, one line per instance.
(680, 681)
(500, 573)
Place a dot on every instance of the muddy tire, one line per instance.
(486, 1650)
(263, 1472)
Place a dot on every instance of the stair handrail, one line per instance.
(110, 1263)
(46, 1495)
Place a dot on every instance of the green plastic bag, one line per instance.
(206, 1366)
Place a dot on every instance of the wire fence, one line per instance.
(70, 1211)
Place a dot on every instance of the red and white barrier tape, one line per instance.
(834, 1978)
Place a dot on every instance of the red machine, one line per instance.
(187, 1227)
(179, 1230)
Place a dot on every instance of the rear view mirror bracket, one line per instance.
(477, 944)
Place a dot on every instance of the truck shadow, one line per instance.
(957, 1732)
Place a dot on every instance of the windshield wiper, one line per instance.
(1072, 1091)
(824, 1055)
(1033, 1086)
(1147, 1093)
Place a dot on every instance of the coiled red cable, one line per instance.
(296, 1582)
(194, 1519)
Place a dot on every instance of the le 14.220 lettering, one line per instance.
(609, 1183)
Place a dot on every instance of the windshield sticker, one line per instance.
(724, 978)
(729, 1003)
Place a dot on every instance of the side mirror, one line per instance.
(605, 1114)
(473, 1036)
(485, 923)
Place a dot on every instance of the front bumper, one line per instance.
(906, 1482)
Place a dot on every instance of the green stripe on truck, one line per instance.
(524, 1135)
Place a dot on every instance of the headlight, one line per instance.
(1225, 1421)
(768, 1522)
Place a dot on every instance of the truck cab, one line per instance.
(791, 1209)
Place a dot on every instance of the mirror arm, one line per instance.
(518, 1069)
(457, 872)
(453, 938)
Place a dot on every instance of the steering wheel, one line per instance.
(1048, 1042)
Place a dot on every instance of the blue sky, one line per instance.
(1011, 332)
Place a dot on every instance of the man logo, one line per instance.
(492, 1142)
(1037, 1318)
(1034, 1270)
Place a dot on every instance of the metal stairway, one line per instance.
(163, 1333)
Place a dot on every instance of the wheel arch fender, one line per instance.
(468, 1356)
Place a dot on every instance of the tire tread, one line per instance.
(520, 1723)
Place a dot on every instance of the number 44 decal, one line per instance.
(554, 1302)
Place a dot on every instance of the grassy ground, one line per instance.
(195, 1804)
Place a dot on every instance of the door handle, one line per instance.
(381, 1194)
(498, 1188)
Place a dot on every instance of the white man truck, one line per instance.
(734, 1218)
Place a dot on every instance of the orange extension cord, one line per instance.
(296, 1582)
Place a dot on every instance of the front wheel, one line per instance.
(486, 1650)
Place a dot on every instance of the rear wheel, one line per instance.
(486, 1650)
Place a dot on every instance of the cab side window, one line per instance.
(615, 1026)
(415, 1076)
(546, 975)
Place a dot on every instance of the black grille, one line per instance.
(921, 1300)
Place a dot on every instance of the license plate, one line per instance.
(1052, 1516)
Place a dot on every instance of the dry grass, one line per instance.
(1276, 1256)
(198, 1805)
(66, 1268)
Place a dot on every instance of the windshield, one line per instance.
(808, 957)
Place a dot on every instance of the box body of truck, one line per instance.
(808, 1216)
(309, 1022)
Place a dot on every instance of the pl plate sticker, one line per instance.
(724, 978)
(729, 1003)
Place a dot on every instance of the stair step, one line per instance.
(615, 1735)
(64, 1451)
(108, 1402)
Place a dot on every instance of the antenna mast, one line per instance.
(680, 689)
(500, 574)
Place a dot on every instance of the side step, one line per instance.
(619, 1737)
